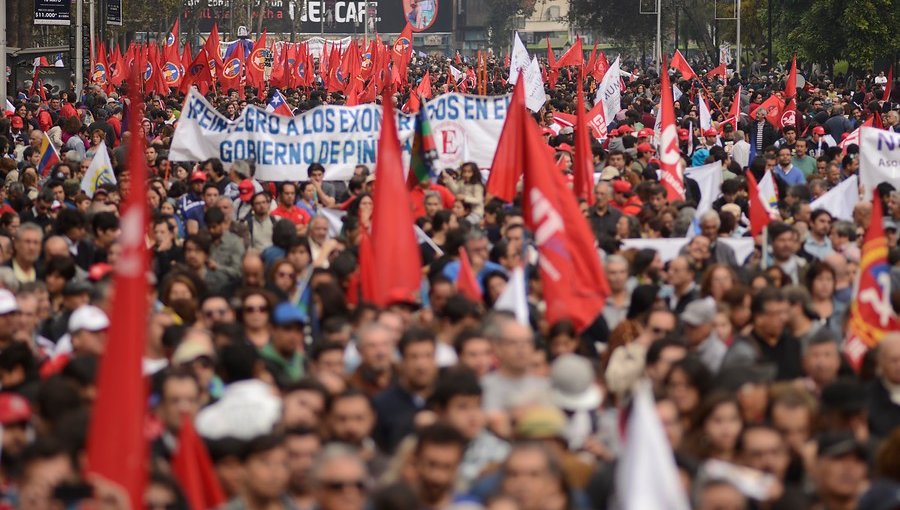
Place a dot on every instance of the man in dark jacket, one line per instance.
(762, 134)
(884, 392)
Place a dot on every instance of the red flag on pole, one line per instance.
(734, 115)
(680, 64)
(788, 115)
(213, 51)
(720, 70)
(575, 286)
(759, 213)
(669, 153)
(116, 447)
(574, 56)
(170, 66)
(507, 165)
(871, 313)
(198, 74)
(583, 166)
(193, 468)
(402, 52)
(256, 64)
(466, 282)
(552, 73)
(398, 263)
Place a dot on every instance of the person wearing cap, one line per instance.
(283, 354)
(242, 204)
(239, 171)
(645, 153)
(698, 320)
(574, 391)
(817, 142)
(840, 471)
(192, 198)
(9, 309)
(87, 328)
(624, 198)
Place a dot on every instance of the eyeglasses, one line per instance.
(256, 309)
(342, 485)
(218, 312)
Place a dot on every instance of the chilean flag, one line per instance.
(279, 105)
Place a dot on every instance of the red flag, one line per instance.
(256, 64)
(871, 313)
(887, 86)
(575, 286)
(116, 447)
(424, 87)
(681, 65)
(101, 74)
(198, 74)
(507, 165)
(466, 282)
(402, 51)
(583, 165)
(552, 73)
(170, 66)
(187, 56)
(212, 50)
(717, 71)
(592, 60)
(669, 153)
(367, 270)
(759, 213)
(600, 66)
(734, 115)
(193, 468)
(398, 263)
(574, 56)
(551, 57)
(790, 86)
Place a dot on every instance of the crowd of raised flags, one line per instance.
(561, 289)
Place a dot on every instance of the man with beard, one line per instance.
(438, 453)
(350, 420)
(303, 447)
(398, 405)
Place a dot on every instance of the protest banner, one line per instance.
(465, 127)
(669, 248)
(879, 158)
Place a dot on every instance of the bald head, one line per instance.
(889, 358)
(56, 246)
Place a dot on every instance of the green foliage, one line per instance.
(501, 14)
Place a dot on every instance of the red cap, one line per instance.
(548, 131)
(13, 409)
(626, 129)
(683, 134)
(710, 132)
(621, 186)
(818, 130)
(565, 147)
(246, 190)
(614, 132)
(16, 122)
(645, 133)
(645, 148)
(198, 176)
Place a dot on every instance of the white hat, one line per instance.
(88, 318)
(8, 302)
(572, 384)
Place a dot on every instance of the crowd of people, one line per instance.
(308, 397)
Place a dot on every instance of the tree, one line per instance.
(620, 20)
(501, 15)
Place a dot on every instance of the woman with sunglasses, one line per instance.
(256, 305)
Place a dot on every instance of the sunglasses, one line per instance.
(340, 485)
(256, 309)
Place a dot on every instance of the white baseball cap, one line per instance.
(88, 317)
(8, 302)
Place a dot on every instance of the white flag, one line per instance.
(457, 75)
(99, 172)
(676, 92)
(335, 219)
(768, 193)
(703, 110)
(515, 296)
(610, 92)
(535, 97)
(648, 456)
(840, 200)
(879, 158)
(518, 59)
(709, 180)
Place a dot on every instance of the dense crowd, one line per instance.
(308, 397)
